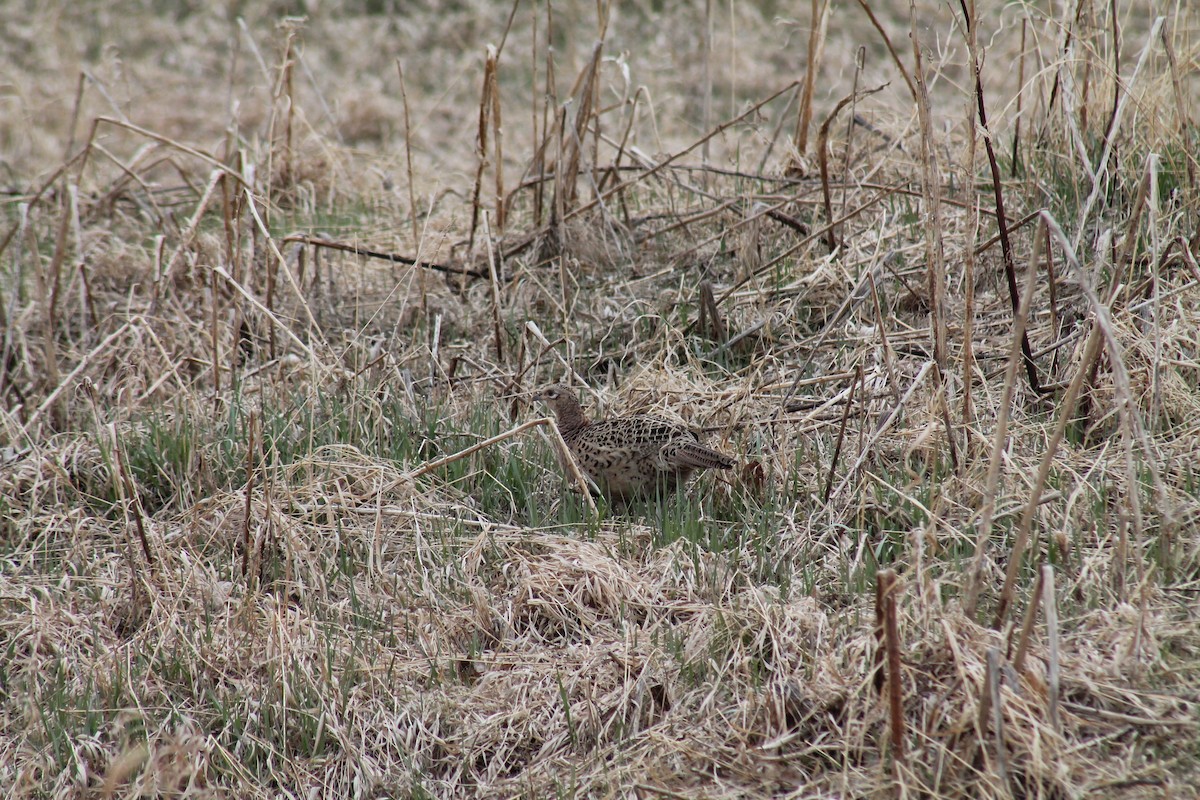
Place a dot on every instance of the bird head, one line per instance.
(562, 401)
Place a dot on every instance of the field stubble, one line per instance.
(276, 293)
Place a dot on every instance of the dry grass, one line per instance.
(237, 561)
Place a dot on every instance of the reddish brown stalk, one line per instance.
(395, 258)
(837, 447)
(887, 636)
(133, 501)
(887, 42)
(831, 239)
(1010, 271)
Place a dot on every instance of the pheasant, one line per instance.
(631, 457)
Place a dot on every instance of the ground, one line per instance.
(280, 520)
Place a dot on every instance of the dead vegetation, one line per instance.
(276, 292)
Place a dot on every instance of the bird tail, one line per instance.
(697, 456)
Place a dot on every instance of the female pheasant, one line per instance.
(629, 457)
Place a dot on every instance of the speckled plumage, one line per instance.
(630, 457)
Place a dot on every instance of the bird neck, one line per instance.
(571, 418)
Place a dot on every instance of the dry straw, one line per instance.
(275, 518)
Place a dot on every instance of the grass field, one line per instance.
(278, 518)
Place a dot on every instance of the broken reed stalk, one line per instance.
(984, 532)
(498, 154)
(889, 356)
(887, 42)
(1101, 171)
(1100, 337)
(670, 160)
(163, 276)
(1132, 498)
(132, 500)
(706, 47)
(207, 158)
(229, 213)
(1123, 259)
(1063, 62)
(709, 321)
(533, 116)
(548, 346)
(550, 115)
(816, 44)
(48, 278)
(860, 63)
(272, 270)
(395, 258)
(784, 115)
(884, 425)
(943, 402)
(1096, 45)
(248, 567)
(887, 637)
(279, 155)
(289, 74)
(1050, 606)
(28, 432)
(260, 226)
(1035, 599)
(53, 274)
(586, 110)
(931, 193)
(35, 199)
(1052, 297)
(831, 239)
(991, 706)
(837, 447)
(1120, 557)
(1006, 249)
(969, 195)
(481, 143)
(497, 326)
(968, 321)
(1016, 141)
(1181, 105)
(408, 164)
(1114, 20)
(613, 171)
(805, 242)
(1066, 410)
(254, 301)
(1126, 400)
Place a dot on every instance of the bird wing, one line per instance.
(633, 433)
